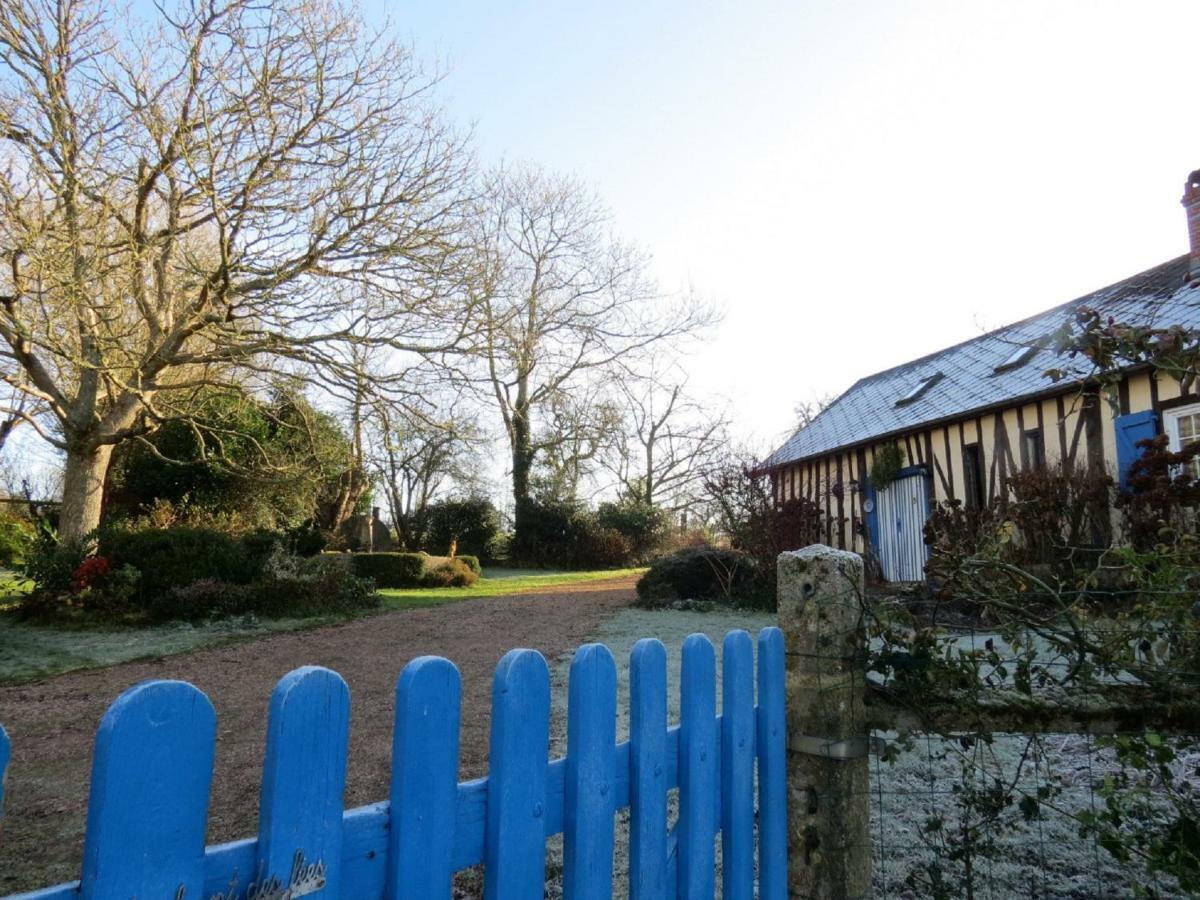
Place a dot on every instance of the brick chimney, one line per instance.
(1191, 203)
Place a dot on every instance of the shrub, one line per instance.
(546, 533)
(886, 465)
(955, 533)
(261, 544)
(452, 572)
(390, 570)
(746, 512)
(1059, 508)
(50, 565)
(643, 525)
(597, 547)
(319, 585)
(177, 557)
(1163, 498)
(97, 592)
(92, 572)
(563, 534)
(498, 547)
(189, 573)
(472, 563)
(469, 525)
(311, 586)
(796, 523)
(307, 540)
(703, 573)
(18, 536)
(208, 598)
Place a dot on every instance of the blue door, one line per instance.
(902, 508)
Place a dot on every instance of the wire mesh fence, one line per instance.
(1004, 815)
(1051, 753)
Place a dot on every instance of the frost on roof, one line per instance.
(975, 372)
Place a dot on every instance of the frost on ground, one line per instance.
(1042, 857)
(619, 634)
(29, 652)
(1045, 856)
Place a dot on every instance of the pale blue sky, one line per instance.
(857, 183)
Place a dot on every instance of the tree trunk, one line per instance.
(522, 466)
(83, 491)
(648, 496)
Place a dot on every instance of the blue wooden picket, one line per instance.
(737, 767)
(515, 847)
(591, 774)
(147, 810)
(772, 768)
(304, 778)
(424, 781)
(152, 767)
(5, 756)
(648, 774)
(699, 789)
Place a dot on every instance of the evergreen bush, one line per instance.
(391, 570)
(454, 572)
(703, 573)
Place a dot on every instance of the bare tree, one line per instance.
(17, 407)
(807, 410)
(575, 431)
(227, 186)
(414, 455)
(564, 304)
(669, 441)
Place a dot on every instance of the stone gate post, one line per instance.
(820, 613)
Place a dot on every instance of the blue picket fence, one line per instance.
(153, 757)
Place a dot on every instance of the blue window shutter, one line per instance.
(1131, 429)
(872, 516)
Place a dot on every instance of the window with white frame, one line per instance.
(1182, 426)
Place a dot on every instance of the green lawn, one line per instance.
(496, 583)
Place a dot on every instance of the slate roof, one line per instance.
(969, 381)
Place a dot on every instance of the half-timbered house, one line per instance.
(968, 416)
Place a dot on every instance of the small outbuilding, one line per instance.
(959, 422)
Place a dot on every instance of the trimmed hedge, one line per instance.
(452, 572)
(390, 570)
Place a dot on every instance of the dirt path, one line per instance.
(52, 723)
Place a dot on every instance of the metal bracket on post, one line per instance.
(851, 748)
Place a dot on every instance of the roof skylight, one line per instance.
(1018, 357)
(920, 388)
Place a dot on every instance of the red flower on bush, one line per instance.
(90, 571)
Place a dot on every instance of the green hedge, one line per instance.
(390, 570)
(140, 577)
(172, 558)
(315, 587)
(450, 572)
(472, 562)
